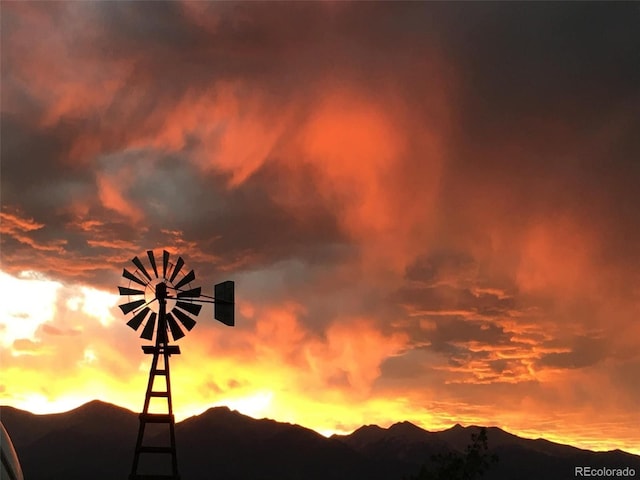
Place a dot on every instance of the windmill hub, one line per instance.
(152, 295)
(161, 291)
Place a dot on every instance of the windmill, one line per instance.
(164, 304)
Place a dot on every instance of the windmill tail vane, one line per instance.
(163, 303)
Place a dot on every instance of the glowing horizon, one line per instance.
(256, 400)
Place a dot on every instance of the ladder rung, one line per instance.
(156, 417)
(159, 372)
(156, 450)
(159, 394)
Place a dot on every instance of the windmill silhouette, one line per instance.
(172, 289)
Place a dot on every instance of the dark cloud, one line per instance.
(446, 298)
(437, 265)
(247, 219)
(34, 174)
(583, 352)
(457, 330)
(410, 366)
(527, 62)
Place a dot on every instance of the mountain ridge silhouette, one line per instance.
(98, 438)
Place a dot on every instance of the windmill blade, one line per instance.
(152, 260)
(176, 269)
(130, 276)
(136, 261)
(138, 318)
(189, 277)
(192, 308)
(194, 292)
(185, 319)
(127, 307)
(176, 331)
(130, 291)
(165, 263)
(147, 332)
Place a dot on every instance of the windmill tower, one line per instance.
(165, 305)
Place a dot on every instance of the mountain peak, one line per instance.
(220, 410)
(99, 409)
(406, 428)
(371, 428)
(97, 405)
(216, 414)
(362, 436)
(405, 425)
(408, 432)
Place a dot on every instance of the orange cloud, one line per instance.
(354, 349)
(557, 254)
(11, 223)
(20, 228)
(111, 195)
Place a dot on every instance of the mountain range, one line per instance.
(96, 441)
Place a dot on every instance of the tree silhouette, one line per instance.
(461, 466)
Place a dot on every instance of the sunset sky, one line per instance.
(431, 210)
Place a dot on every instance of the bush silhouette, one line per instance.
(470, 465)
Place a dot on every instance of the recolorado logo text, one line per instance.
(604, 472)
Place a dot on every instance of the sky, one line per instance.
(429, 210)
